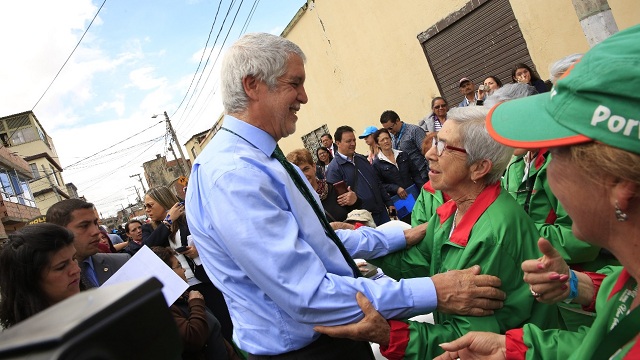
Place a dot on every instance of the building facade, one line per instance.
(365, 57)
(160, 172)
(23, 134)
(17, 205)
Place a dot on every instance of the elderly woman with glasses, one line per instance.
(481, 224)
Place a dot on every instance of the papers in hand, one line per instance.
(145, 264)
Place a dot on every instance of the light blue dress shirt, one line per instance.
(263, 246)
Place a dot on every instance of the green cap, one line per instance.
(597, 99)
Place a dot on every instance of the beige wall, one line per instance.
(363, 56)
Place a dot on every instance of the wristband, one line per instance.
(573, 287)
(168, 219)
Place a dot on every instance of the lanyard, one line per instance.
(396, 139)
(623, 326)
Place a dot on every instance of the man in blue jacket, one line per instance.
(356, 171)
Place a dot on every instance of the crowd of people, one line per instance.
(521, 236)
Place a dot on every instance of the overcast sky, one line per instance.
(137, 59)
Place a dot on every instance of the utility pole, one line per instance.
(141, 183)
(179, 162)
(175, 140)
(596, 20)
(137, 193)
(51, 183)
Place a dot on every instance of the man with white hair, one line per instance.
(264, 240)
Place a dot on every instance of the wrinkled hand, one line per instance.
(415, 234)
(176, 211)
(466, 292)
(475, 345)
(337, 225)
(402, 193)
(347, 199)
(547, 275)
(373, 327)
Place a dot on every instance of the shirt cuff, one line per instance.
(425, 298)
(395, 238)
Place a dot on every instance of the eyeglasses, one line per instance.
(440, 106)
(441, 145)
(393, 124)
(148, 205)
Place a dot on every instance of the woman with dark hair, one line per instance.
(491, 84)
(37, 269)
(198, 327)
(324, 158)
(105, 245)
(522, 73)
(394, 168)
(434, 122)
(168, 228)
(133, 229)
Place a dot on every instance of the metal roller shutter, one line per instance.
(481, 39)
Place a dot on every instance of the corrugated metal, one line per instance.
(484, 41)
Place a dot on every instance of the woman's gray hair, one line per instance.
(261, 55)
(477, 141)
(509, 92)
(558, 68)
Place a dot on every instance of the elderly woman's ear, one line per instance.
(479, 169)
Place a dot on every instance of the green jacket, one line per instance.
(549, 216)
(554, 224)
(426, 204)
(531, 342)
(496, 234)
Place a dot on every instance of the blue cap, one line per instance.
(368, 131)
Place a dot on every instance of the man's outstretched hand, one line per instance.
(466, 292)
(373, 327)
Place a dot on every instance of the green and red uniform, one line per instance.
(496, 234)
(426, 204)
(530, 342)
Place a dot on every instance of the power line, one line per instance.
(107, 148)
(69, 57)
(207, 62)
(214, 62)
(187, 127)
(201, 57)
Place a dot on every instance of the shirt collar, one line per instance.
(462, 231)
(395, 154)
(257, 137)
(89, 261)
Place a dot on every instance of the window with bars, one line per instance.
(312, 142)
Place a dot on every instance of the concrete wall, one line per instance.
(363, 57)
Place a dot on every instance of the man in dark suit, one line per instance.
(327, 141)
(81, 219)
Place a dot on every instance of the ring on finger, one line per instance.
(535, 294)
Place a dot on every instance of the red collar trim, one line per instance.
(461, 233)
(622, 280)
(427, 186)
(541, 158)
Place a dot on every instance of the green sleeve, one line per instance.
(552, 344)
(408, 263)
(422, 211)
(424, 337)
